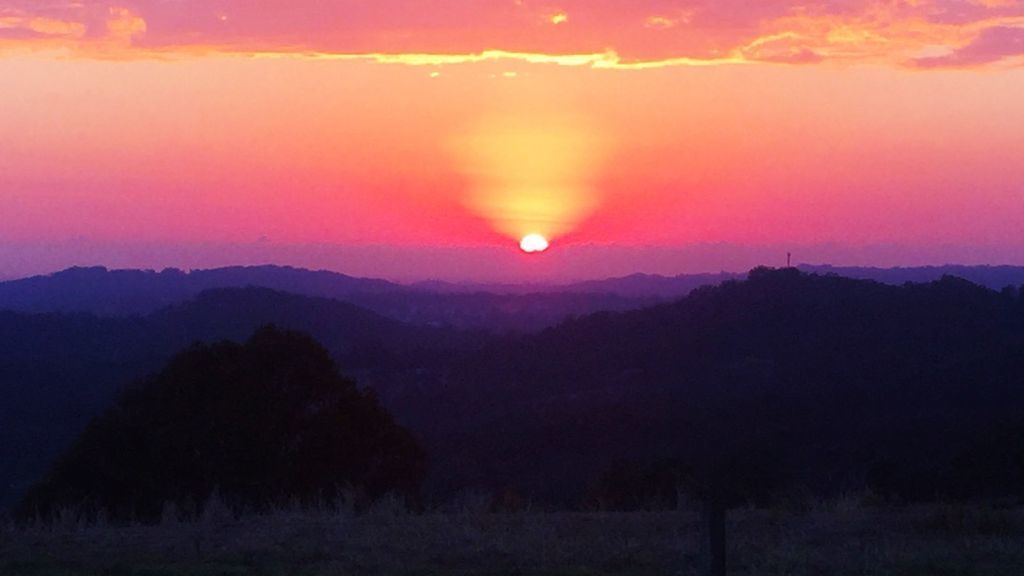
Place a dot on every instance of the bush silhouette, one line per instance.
(261, 422)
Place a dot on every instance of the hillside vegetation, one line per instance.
(802, 383)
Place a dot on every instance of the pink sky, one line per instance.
(414, 139)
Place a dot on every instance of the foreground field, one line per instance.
(837, 539)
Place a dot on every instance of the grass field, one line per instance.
(842, 538)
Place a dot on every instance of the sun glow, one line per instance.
(532, 175)
(534, 244)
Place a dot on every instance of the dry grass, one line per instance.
(839, 538)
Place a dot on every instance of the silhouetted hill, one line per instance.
(126, 292)
(233, 313)
(494, 307)
(672, 287)
(635, 286)
(135, 292)
(57, 371)
(858, 383)
(497, 313)
(870, 384)
(994, 277)
(653, 285)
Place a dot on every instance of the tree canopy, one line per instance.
(260, 422)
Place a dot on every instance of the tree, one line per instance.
(261, 422)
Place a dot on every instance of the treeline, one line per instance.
(783, 384)
(914, 391)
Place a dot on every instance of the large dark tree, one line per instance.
(260, 422)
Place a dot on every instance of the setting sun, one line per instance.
(532, 173)
(534, 244)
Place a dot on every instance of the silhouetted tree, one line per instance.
(260, 422)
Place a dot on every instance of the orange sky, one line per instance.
(469, 124)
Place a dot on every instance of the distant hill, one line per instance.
(98, 290)
(56, 372)
(652, 285)
(638, 286)
(137, 292)
(890, 386)
(994, 277)
(672, 287)
(495, 307)
(59, 370)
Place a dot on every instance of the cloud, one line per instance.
(639, 34)
(20, 24)
(991, 45)
(81, 25)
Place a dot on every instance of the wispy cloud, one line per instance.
(994, 44)
(608, 34)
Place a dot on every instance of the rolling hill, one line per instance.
(57, 371)
(857, 383)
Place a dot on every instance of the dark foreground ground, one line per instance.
(842, 538)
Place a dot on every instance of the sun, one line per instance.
(534, 244)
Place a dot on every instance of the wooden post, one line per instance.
(714, 536)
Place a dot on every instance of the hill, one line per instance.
(58, 371)
(994, 277)
(639, 286)
(139, 292)
(912, 390)
(498, 308)
(673, 287)
(861, 384)
(98, 290)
